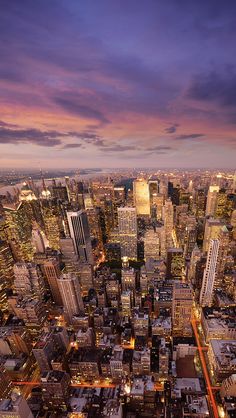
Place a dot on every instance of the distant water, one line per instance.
(48, 181)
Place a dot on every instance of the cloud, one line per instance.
(6, 124)
(160, 148)
(172, 129)
(120, 148)
(74, 104)
(14, 134)
(31, 135)
(72, 146)
(214, 87)
(189, 136)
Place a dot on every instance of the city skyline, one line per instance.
(128, 84)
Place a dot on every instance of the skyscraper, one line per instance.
(182, 309)
(212, 200)
(52, 272)
(168, 217)
(127, 225)
(212, 230)
(79, 232)
(142, 197)
(210, 274)
(71, 295)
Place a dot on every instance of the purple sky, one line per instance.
(117, 83)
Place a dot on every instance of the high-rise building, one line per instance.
(175, 263)
(19, 232)
(128, 278)
(38, 240)
(182, 309)
(71, 295)
(79, 232)
(151, 244)
(200, 203)
(212, 200)
(195, 257)
(28, 280)
(6, 271)
(127, 225)
(141, 197)
(55, 385)
(212, 230)
(52, 272)
(52, 222)
(15, 407)
(168, 217)
(210, 274)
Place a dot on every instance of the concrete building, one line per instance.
(127, 226)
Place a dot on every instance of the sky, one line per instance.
(117, 83)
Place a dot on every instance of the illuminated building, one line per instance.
(55, 389)
(60, 193)
(126, 303)
(200, 203)
(51, 220)
(14, 341)
(26, 194)
(182, 305)
(38, 240)
(211, 200)
(5, 383)
(28, 280)
(19, 230)
(151, 244)
(175, 263)
(212, 230)
(221, 204)
(195, 257)
(52, 272)
(128, 278)
(228, 387)
(140, 322)
(15, 407)
(71, 295)
(163, 360)
(233, 223)
(168, 217)
(6, 271)
(31, 311)
(141, 197)
(222, 355)
(210, 274)
(79, 232)
(157, 202)
(85, 277)
(127, 224)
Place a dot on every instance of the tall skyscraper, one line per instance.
(127, 225)
(212, 200)
(210, 274)
(71, 295)
(168, 217)
(182, 309)
(79, 232)
(142, 197)
(212, 230)
(52, 272)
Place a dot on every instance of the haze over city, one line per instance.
(117, 84)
